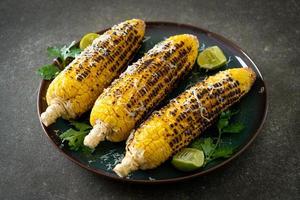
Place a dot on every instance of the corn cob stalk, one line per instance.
(167, 131)
(77, 87)
(142, 86)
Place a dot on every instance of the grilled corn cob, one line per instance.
(142, 86)
(167, 131)
(77, 87)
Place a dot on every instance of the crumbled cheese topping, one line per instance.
(130, 70)
(201, 107)
(160, 47)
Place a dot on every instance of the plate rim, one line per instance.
(177, 179)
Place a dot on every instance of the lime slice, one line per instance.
(87, 40)
(188, 159)
(211, 58)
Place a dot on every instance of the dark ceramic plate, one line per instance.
(253, 108)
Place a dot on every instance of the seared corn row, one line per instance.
(174, 126)
(142, 86)
(77, 87)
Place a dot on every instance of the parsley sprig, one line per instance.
(64, 55)
(211, 148)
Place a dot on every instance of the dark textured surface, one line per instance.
(31, 168)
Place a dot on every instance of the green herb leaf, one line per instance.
(228, 114)
(48, 72)
(197, 143)
(54, 52)
(74, 138)
(223, 122)
(225, 118)
(205, 144)
(69, 51)
(222, 152)
(213, 150)
(81, 126)
(74, 52)
(234, 128)
(208, 146)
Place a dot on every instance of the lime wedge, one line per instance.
(188, 159)
(211, 58)
(87, 40)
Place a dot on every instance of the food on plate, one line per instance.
(140, 88)
(211, 58)
(62, 57)
(87, 40)
(211, 147)
(188, 159)
(174, 126)
(76, 88)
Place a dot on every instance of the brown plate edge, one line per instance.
(172, 180)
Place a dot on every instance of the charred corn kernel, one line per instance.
(142, 86)
(77, 87)
(173, 127)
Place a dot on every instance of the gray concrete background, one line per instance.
(31, 168)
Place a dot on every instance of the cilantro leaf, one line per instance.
(197, 144)
(74, 52)
(48, 72)
(228, 114)
(222, 152)
(205, 144)
(208, 146)
(69, 51)
(54, 52)
(74, 138)
(224, 119)
(211, 148)
(64, 52)
(234, 128)
(223, 122)
(81, 126)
